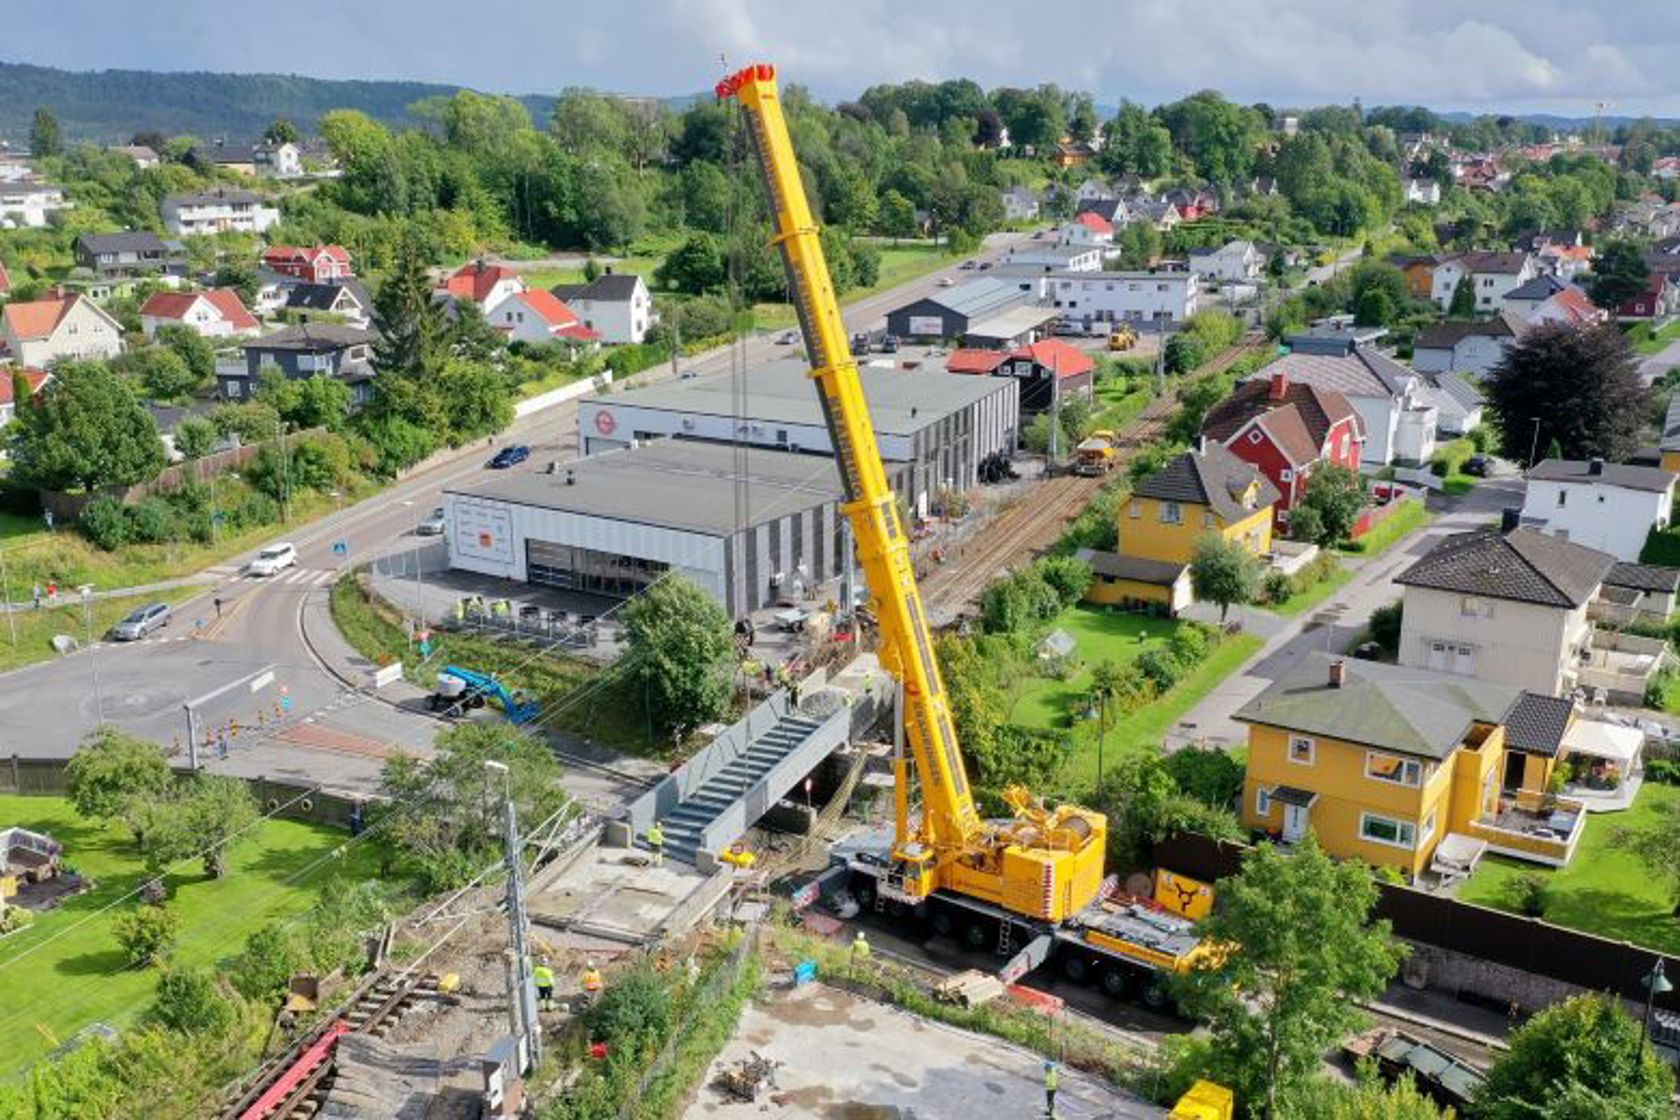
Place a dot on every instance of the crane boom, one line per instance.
(950, 818)
(1044, 863)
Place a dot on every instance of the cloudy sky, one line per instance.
(1531, 55)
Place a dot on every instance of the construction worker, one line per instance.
(656, 841)
(591, 979)
(543, 974)
(860, 952)
(1052, 1081)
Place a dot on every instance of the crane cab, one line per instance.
(910, 877)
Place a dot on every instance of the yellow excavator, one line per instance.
(1028, 882)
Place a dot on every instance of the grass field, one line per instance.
(1116, 407)
(1102, 636)
(1303, 601)
(1604, 890)
(67, 971)
(899, 265)
(1647, 342)
(1448, 462)
(35, 629)
(1382, 538)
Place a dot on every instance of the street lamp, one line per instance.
(1534, 442)
(1655, 984)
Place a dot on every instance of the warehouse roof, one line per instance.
(900, 403)
(1010, 325)
(1412, 711)
(976, 297)
(679, 484)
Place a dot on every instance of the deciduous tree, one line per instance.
(1463, 304)
(44, 137)
(1582, 383)
(1581, 1059)
(680, 652)
(1224, 572)
(84, 430)
(110, 768)
(1619, 273)
(1332, 502)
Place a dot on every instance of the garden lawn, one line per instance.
(1604, 890)
(899, 265)
(1102, 636)
(1448, 463)
(1648, 342)
(1383, 537)
(1303, 601)
(1116, 407)
(67, 971)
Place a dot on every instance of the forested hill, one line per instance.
(109, 106)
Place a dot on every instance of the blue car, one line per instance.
(509, 457)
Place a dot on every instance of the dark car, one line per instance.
(1478, 465)
(1368, 651)
(509, 457)
(889, 344)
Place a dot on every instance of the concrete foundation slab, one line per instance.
(606, 894)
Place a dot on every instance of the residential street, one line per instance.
(1337, 625)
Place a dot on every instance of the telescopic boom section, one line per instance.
(949, 816)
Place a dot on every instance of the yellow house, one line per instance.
(1670, 445)
(1383, 763)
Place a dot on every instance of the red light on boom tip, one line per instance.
(757, 72)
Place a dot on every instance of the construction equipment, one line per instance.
(1441, 1075)
(1097, 454)
(460, 690)
(1122, 338)
(1204, 1101)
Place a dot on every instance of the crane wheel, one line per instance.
(977, 935)
(1154, 996)
(943, 924)
(864, 892)
(1076, 968)
(1115, 982)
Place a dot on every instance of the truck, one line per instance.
(1097, 454)
(1030, 885)
(1122, 338)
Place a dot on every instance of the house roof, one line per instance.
(547, 307)
(1110, 210)
(127, 241)
(1542, 287)
(34, 319)
(1521, 565)
(1508, 264)
(36, 378)
(609, 287)
(1654, 479)
(232, 195)
(977, 298)
(1453, 392)
(1053, 353)
(1445, 336)
(1298, 423)
(974, 361)
(475, 280)
(314, 338)
(1537, 723)
(1397, 708)
(1094, 222)
(227, 301)
(280, 254)
(324, 297)
(1644, 577)
(1364, 372)
(1212, 477)
(1575, 305)
(1135, 568)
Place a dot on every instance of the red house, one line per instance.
(319, 264)
(1659, 298)
(1286, 429)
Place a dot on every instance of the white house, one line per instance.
(1057, 258)
(488, 285)
(1392, 400)
(1423, 192)
(1233, 262)
(1472, 346)
(1529, 295)
(216, 313)
(28, 205)
(1607, 506)
(218, 210)
(616, 306)
(277, 161)
(535, 315)
(1020, 204)
(1570, 306)
(1087, 228)
(1491, 274)
(39, 332)
(1093, 190)
(1166, 298)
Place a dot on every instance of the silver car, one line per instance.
(433, 526)
(141, 621)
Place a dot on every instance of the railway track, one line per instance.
(294, 1084)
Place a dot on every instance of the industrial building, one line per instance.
(1164, 299)
(750, 525)
(953, 313)
(938, 426)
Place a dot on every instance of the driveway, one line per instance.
(1652, 369)
(1337, 626)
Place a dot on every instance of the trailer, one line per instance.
(1097, 454)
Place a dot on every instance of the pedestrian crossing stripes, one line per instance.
(300, 577)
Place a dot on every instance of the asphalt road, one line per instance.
(327, 730)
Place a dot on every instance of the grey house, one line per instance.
(306, 350)
(130, 253)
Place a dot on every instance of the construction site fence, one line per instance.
(1529, 945)
(717, 987)
(296, 801)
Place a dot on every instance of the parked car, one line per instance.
(510, 456)
(141, 621)
(968, 266)
(984, 265)
(273, 560)
(889, 344)
(947, 282)
(788, 338)
(1478, 466)
(433, 526)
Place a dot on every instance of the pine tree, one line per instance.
(411, 323)
(44, 137)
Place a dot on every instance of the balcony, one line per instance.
(1533, 826)
(1620, 666)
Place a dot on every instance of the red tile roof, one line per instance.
(37, 318)
(169, 305)
(475, 279)
(226, 300)
(974, 361)
(1096, 223)
(175, 305)
(1053, 353)
(548, 307)
(1298, 423)
(35, 377)
(579, 332)
(279, 254)
(1574, 303)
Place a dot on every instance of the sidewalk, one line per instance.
(69, 596)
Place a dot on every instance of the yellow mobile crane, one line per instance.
(1035, 880)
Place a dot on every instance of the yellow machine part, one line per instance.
(1204, 1101)
(1183, 895)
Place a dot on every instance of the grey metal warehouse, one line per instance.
(952, 312)
(612, 524)
(940, 425)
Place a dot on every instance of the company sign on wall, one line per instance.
(483, 530)
(930, 326)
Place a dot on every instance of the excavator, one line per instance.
(1033, 882)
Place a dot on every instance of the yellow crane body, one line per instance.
(1042, 863)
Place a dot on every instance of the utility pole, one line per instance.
(522, 993)
(676, 344)
(285, 473)
(6, 588)
(1055, 411)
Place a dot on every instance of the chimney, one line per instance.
(1509, 518)
(1595, 465)
(1280, 387)
(609, 270)
(1338, 673)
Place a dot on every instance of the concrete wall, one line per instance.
(1521, 644)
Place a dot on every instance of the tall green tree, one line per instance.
(1580, 1059)
(680, 653)
(1136, 142)
(411, 323)
(282, 131)
(205, 815)
(85, 430)
(1619, 274)
(1224, 572)
(193, 349)
(1331, 504)
(110, 768)
(1300, 951)
(44, 137)
(1463, 303)
(1583, 386)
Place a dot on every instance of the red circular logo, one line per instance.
(604, 423)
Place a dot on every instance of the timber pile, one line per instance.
(373, 1080)
(971, 988)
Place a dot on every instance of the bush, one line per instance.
(1070, 578)
(105, 523)
(1533, 894)
(13, 918)
(151, 520)
(1385, 626)
(194, 437)
(1275, 587)
(190, 1001)
(1663, 770)
(1206, 773)
(1190, 644)
(257, 508)
(272, 953)
(147, 934)
(1161, 667)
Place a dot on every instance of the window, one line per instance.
(1387, 830)
(1393, 769)
(1471, 607)
(1428, 828)
(1171, 513)
(1286, 475)
(1254, 436)
(1207, 520)
(781, 435)
(1301, 750)
(1136, 510)
(1262, 801)
(1563, 498)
